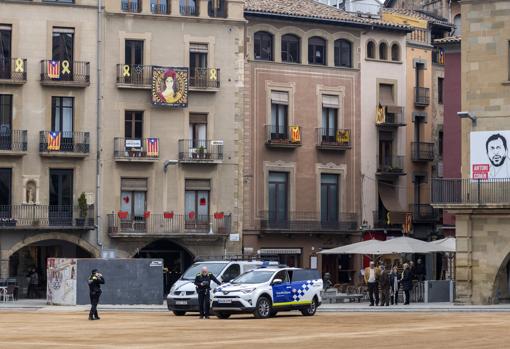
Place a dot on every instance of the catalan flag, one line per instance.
(53, 68)
(295, 134)
(54, 138)
(152, 145)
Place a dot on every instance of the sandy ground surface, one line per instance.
(42, 329)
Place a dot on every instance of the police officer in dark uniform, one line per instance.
(95, 281)
(203, 284)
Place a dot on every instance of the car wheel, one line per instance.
(311, 309)
(263, 308)
(179, 313)
(223, 315)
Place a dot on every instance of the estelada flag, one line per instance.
(295, 134)
(380, 117)
(152, 145)
(53, 68)
(54, 138)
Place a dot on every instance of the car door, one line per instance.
(282, 292)
(305, 285)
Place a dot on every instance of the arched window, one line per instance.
(371, 50)
(291, 49)
(263, 46)
(458, 25)
(383, 51)
(395, 52)
(343, 53)
(317, 50)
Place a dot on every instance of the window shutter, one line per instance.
(195, 47)
(330, 101)
(278, 97)
(386, 94)
(198, 118)
(198, 184)
(134, 184)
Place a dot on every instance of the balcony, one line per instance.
(13, 71)
(421, 96)
(169, 224)
(131, 6)
(421, 151)
(40, 217)
(333, 139)
(471, 193)
(391, 117)
(204, 79)
(134, 76)
(136, 150)
(283, 137)
(64, 144)
(306, 222)
(424, 213)
(196, 151)
(189, 10)
(160, 9)
(65, 73)
(390, 166)
(13, 142)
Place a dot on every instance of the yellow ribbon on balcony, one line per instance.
(19, 66)
(65, 67)
(380, 116)
(125, 71)
(213, 74)
(295, 134)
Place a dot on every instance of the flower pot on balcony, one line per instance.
(219, 215)
(123, 214)
(147, 214)
(168, 215)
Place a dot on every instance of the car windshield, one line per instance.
(214, 268)
(253, 277)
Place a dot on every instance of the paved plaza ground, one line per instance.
(61, 328)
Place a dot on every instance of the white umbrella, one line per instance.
(408, 245)
(364, 247)
(446, 244)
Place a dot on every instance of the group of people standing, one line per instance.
(381, 280)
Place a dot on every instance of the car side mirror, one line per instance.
(277, 281)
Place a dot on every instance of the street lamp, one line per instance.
(467, 115)
(168, 163)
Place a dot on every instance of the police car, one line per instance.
(266, 291)
(183, 297)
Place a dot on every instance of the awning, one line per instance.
(389, 197)
(275, 251)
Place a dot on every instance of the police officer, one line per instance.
(203, 284)
(95, 281)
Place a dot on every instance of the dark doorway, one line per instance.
(61, 197)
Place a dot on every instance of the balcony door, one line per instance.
(61, 197)
(197, 204)
(5, 122)
(198, 133)
(5, 192)
(385, 150)
(278, 199)
(329, 199)
(63, 51)
(134, 199)
(279, 115)
(329, 124)
(133, 56)
(198, 64)
(62, 120)
(5, 51)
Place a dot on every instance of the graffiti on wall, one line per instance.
(61, 285)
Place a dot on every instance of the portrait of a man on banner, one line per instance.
(170, 87)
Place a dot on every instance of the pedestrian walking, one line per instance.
(394, 285)
(407, 283)
(95, 281)
(33, 283)
(384, 284)
(371, 277)
(203, 284)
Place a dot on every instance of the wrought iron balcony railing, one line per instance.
(131, 6)
(134, 76)
(421, 151)
(168, 223)
(203, 78)
(197, 150)
(45, 216)
(390, 165)
(130, 149)
(187, 10)
(71, 143)
(65, 73)
(307, 222)
(392, 116)
(424, 213)
(283, 136)
(13, 71)
(13, 141)
(421, 96)
(160, 9)
(449, 192)
(335, 139)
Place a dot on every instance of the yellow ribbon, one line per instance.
(213, 74)
(388, 218)
(19, 66)
(125, 70)
(65, 67)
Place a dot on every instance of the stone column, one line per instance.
(463, 259)
(4, 265)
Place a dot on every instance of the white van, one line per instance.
(183, 296)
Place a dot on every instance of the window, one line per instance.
(61, 197)
(5, 191)
(440, 143)
(62, 120)
(291, 49)
(278, 198)
(61, 1)
(305, 275)
(282, 275)
(197, 203)
(133, 52)
(5, 122)
(232, 272)
(420, 73)
(217, 8)
(133, 198)
(133, 6)
(395, 52)
(133, 124)
(279, 115)
(160, 7)
(263, 46)
(5, 51)
(329, 198)
(371, 50)
(198, 63)
(383, 51)
(63, 50)
(188, 7)
(317, 50)
(440, 90)
(457, 21)
(343, 53)
(198, 130)
(330, 106)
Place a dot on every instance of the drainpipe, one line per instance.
(98, 125)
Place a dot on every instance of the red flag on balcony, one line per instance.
(152, 145)
(54, 138)
(53, 69)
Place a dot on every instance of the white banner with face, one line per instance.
(489, 154)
